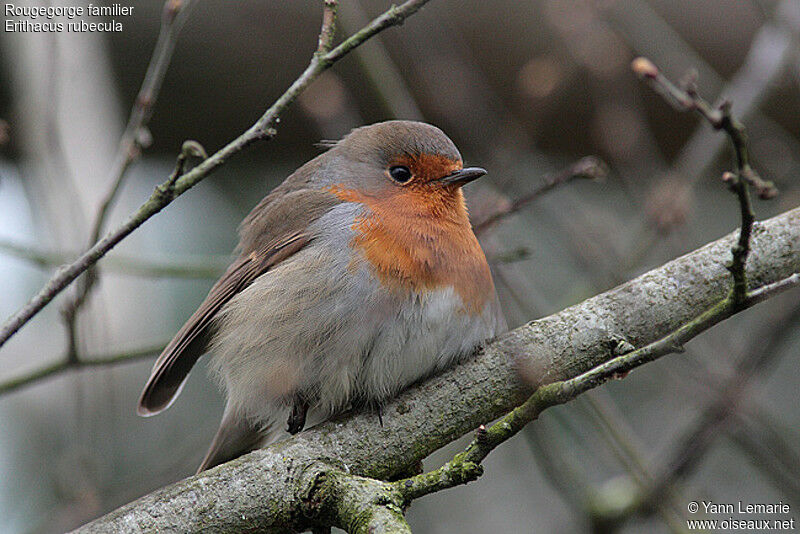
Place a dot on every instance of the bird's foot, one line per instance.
(297, 417)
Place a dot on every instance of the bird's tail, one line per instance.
(236, 436)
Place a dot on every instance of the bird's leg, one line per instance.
(297, 417)
(363, 403)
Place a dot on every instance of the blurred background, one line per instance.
(524, 89)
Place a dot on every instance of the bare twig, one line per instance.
(770, 53)
(768, 459)
(68, 364)
(708, 425)
(189, 149)
(719, 117)
(263, 129)
(698, 440)
(439, 410)
(174, 15)
(71, 308)
(589, 167)
(134, 138)
(328, 31)
(465, 466)
(623, 445)
(771, 50)
(687, 99)
(204, 267)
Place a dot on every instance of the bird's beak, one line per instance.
(463, 176)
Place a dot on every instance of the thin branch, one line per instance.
(770, 51)
(134, 139)
(204, 267)
(742, 248)
(465, 466)
(66, 364)
(711, 421)
(327, 33)
(174, 15)
(686, 98)
(720, 118)
(482, 388)
(623, 445)
(189, 149)
(770, 461)
(589, 168)
(263, 129)
(69, 312)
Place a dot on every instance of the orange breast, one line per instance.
(418, 238)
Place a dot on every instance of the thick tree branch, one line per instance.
(357, 505)
(465, 466)
(263, 490)
(164, 194)
(711, 421)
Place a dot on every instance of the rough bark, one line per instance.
(276, 488)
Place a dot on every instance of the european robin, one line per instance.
(357, 276)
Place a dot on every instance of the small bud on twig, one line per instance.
(644, 67)
(729, 178)
(192, 148)
(171, 9)
(143, 137)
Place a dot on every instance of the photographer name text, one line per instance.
(740, 507)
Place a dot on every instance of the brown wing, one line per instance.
(275, 231)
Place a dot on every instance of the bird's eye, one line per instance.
(400, 173)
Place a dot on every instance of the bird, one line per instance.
(356, 277)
